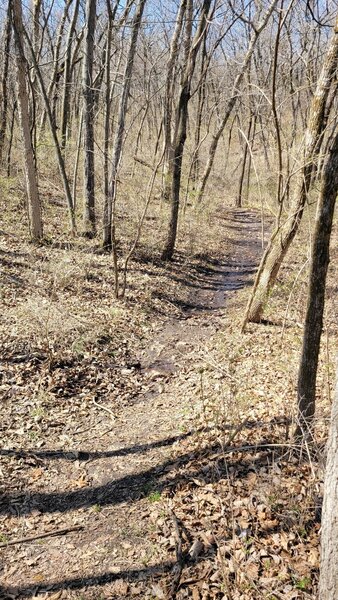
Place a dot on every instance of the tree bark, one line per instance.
(316, 295)
(88, 122)
(328, 580)
(239, 198)
(34, 206)
(283, 235)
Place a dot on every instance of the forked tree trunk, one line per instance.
(34, 206)
(88, 122)
(282, 237)
(328, 580)
(316, 295)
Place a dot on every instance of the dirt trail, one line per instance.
(123, 469)
(210, 292)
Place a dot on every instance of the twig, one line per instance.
(258, 447)
(179, 557)
(239, 428)
(143, 162)
(218, 367)
(41, 536)
(106, 432)
(104, 408)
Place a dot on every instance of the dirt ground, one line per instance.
(156, 454)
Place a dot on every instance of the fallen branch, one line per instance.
(53, 533)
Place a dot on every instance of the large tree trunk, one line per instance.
(328, 581)
(316, 296)
(283, 235)
(34, 206)
(88, 121)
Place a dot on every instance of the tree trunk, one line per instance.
(328, 581)
(195, 170)
(168, 150)
(191, 49)
(58, 69)
(68, 70)
(88, 122)
(10, 139)
(34, 206)
(283, 235)
(108, 225)
(316, 296)
(238, 201)
(58, 152)
(4, 107)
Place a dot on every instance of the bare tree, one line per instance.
(59, 156)
(88, 121)
(192, 46)
(34, 206)
(108, 222)
(283, 235)
(4, 83)
(169, 100)
(316, 295)
(257, 29)
(58, 68)
(68, 71)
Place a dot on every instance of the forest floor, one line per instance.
(149, 439)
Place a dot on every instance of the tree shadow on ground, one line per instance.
(78, 583)
(80, 455)
(131, 488)
(209, 465)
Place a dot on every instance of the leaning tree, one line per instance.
(284, 234)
